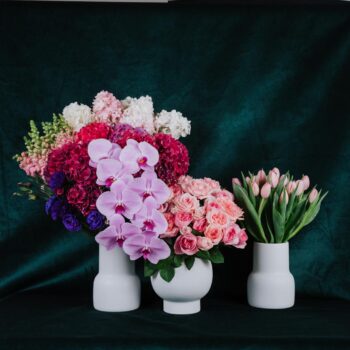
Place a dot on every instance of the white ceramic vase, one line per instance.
(117, 288)
(270, 284)
(183, 294)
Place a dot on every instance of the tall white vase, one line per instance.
(270, 284)
(116, 287)
(183, 294)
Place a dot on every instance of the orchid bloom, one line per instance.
(102, 149)
(149, 185)
(116, 233)
(111, 170)
(146, 245)
(119, 200)
(149, 218)
(140, 155)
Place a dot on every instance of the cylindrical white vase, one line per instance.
(270, 284)
(117, 288)
(183, 294)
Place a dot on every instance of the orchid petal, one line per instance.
(107, 238)
(106, 203)
(99, 149)
(108, 168)
(117, 221)
(133, 246)
(130, 230)
(159, 250)
(149, 152)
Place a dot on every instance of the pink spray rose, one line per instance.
(199, 188)
(200, 225)
(230, 208)
(186, 244)
(172, 230)
(183, 219)
(217, 217)
(204, 243)
(214, 233)
(186, 202)
(235, 236)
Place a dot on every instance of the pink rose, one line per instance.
(199, 213)
(204, 243)
(183, 219)
(214, 185)
(186, 202)
(176, 190)
(211, 204)
(164, 207)
(214, 233)
(199, 188)
(172, 230)
(223, 194)
(186, 230)
(200, 225)
(235, 236)
(230, 208)
(184, 181)
(217, 217)
(186, 244)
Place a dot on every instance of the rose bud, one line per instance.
(276, 171)
(313, 195)
(291, 186)
(236, 181)
(261, 177)
(284, 193)
(306, 180)
(273, 178)
(299, 187)
(266, 190)
(255, 188)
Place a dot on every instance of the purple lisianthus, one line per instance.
(58, 209)
(49, 203)
(57, 180)
(95, 220)
(71, 222)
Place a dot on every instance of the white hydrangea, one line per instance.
(173, 123)
(139, 113)
(77, 115)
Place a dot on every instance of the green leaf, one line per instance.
(178, 259)
(149, 269)
(201, 254)
(167, 273)
(278, 221)
(189, 261)
(216, 256)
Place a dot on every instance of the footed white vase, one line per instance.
(183, 294)
(270, 284)
(116, 287)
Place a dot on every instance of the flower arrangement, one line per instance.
(201, 217)
(276, 206)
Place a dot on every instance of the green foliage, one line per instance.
(167, 267)
(34, 188)
(279, 217)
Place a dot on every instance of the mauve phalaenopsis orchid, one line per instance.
(135, 199)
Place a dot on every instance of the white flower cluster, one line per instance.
(139, 112)
(77, 115)
(173, 123)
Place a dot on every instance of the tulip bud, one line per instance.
(255, 188)
(306, 180)
(273, 178)
(276, 171)
(266, 190)
(284, 193)
(291, 186)
(236, 181)
(247, 179)
(299, 187)
(261, 177)
(284, 179)
(313, 195)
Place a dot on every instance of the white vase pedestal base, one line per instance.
(182, 308)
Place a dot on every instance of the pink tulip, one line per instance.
(285, 180)
(284, 193)
(247, 179)
(291, 186)
(236, 181)
(313, 195)
(306, 180)
(299, 187)
(261, 177)
(273, 178)
(255, 188)
(276, 171)
(266, 190)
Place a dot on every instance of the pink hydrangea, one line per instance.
(107, 107)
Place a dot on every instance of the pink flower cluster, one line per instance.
(107, 108)
(201, 215)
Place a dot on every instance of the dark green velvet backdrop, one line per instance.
(263, 87)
